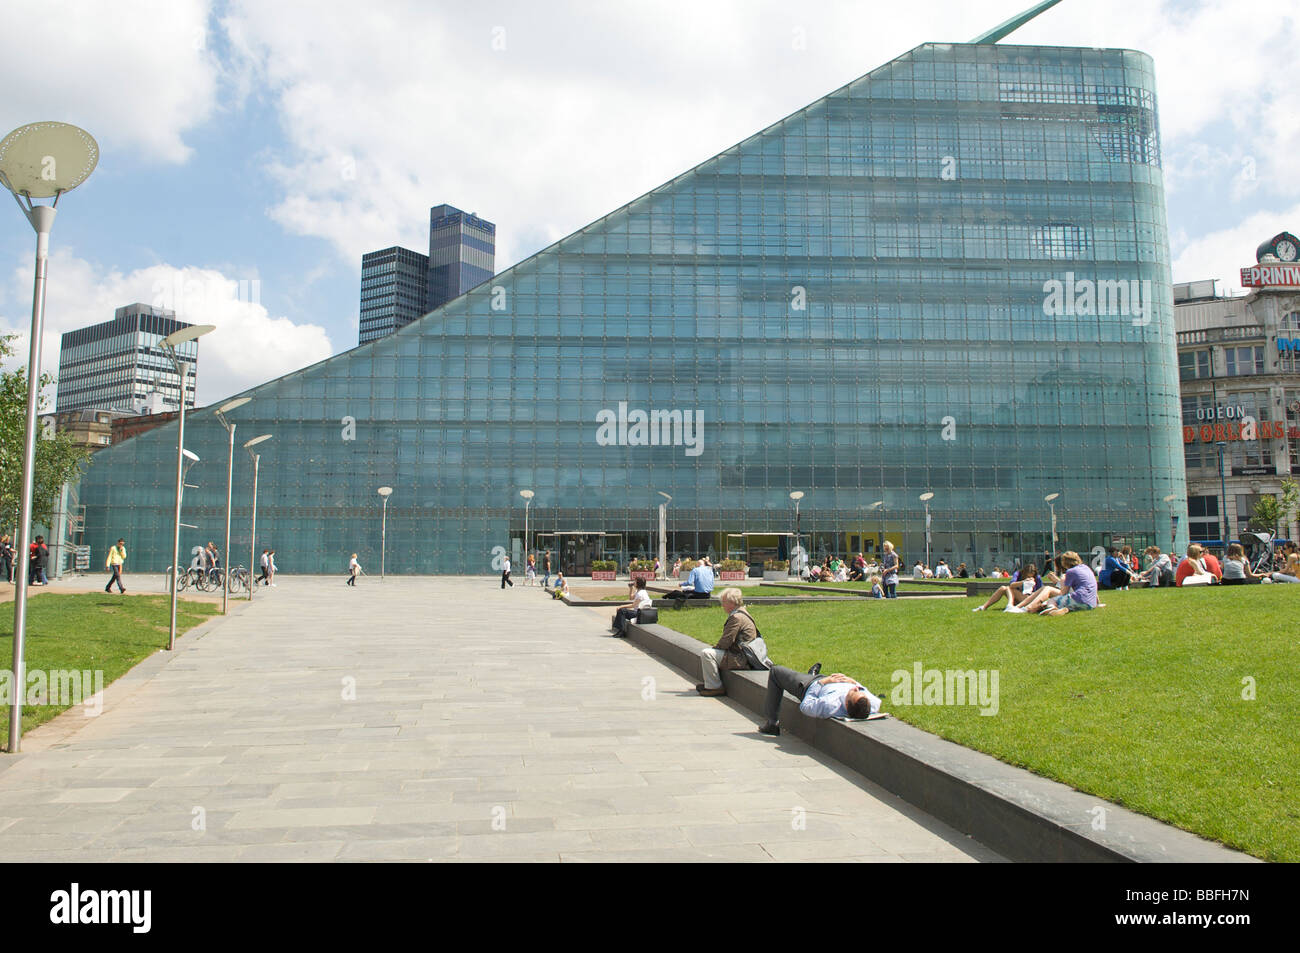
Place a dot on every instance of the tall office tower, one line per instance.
(462, 253)
(117, 365)
(392, 291)
(949, 277)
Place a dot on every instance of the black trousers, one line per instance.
(622, 617)
(505, 578)
(683, 594)
(780, 680)
(115, 578)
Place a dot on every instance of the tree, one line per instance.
(58, 458)
(1267, 513)
(1290, 504)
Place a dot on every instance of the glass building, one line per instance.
(117, 365)
(949, 276)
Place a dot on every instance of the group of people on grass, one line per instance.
(1069, 586)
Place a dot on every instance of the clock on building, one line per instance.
(1281, 247)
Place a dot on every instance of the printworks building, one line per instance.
(951, 276)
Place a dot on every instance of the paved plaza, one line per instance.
(433, 719)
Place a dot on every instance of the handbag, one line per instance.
(647, 616)
(755, 650)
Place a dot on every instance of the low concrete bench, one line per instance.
(1018, 814)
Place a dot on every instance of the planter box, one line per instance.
(647, 574)
(732, 575)
(603, 575)
(776, 575)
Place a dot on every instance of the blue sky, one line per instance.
(271, 143)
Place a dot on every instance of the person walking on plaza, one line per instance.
(354, 570)
(270, 567)
(265, 576)
(7, 558)
(116, 557)
(505, 573)
(546, 570)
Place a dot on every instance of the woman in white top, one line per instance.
(1236, 567)
(629, 611)
(354, 570)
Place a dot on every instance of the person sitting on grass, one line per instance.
(1291, 568)
(1236, 568)
(1078, 590)
(1192, 570)
(1115, 574)
(877, 590)
(1016, 592)
(1161, 570)
(820, 696)
(629, 611)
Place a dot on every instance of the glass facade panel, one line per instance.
(937, 278)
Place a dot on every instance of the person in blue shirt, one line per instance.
(828, 696)
(698, 585)
(1114, 574)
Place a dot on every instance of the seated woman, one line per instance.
(1115, 573)
(1016, 592)
(1192, 571)
(1236, 567)
(1291, 568)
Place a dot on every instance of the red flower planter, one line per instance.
(733, 575)
(603, 575)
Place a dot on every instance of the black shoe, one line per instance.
(769, 729)
(816, 669)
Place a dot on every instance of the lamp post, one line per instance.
(663, 531)
(168, 346)
(1173, 524)
(528, 501)
(230, 473)
(880, 504)
(41, 160)
(796, 495)
(385, 492)
(252, 544)
(1050, 500)
(1223, 490)
(926, 498)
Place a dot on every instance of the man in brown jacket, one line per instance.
(738, 629)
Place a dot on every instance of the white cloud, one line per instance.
(544, 119)
(1222, 254)
(135, 73)
(248, 347)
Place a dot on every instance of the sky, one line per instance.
(253, 150)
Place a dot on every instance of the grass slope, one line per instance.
(1140, 703)
(91, 631)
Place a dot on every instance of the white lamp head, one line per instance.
(797, 495)
(385, 491)
(1050, 497)
(190, 455)
(927, 497)
(527, 494)
(187, 334)
(256, 440)
(44, 159)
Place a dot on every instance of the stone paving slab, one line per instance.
(433, 719)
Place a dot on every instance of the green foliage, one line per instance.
(777, 565)
(641, 565)
(1267, 513)
(58, 459)
(1290, 502)
(604, 565)
(733, 565)
(688, 565)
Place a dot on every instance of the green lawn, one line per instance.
(94, 632)
(1140, 703)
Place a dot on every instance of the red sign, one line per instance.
(1211, 433)
(1271, 276)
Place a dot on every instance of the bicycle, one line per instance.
(237, 580)
(182, 579)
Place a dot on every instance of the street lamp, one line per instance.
(926, 498)
(663, 531)
(1173, 523)
(187, 459)
(224, 409)
(880, 504)
(168, 346)
(1050, 500)
(1223, 491)
(252, 544)
(796, 495)
(385, 492)
(41, 160)
(528, 501)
